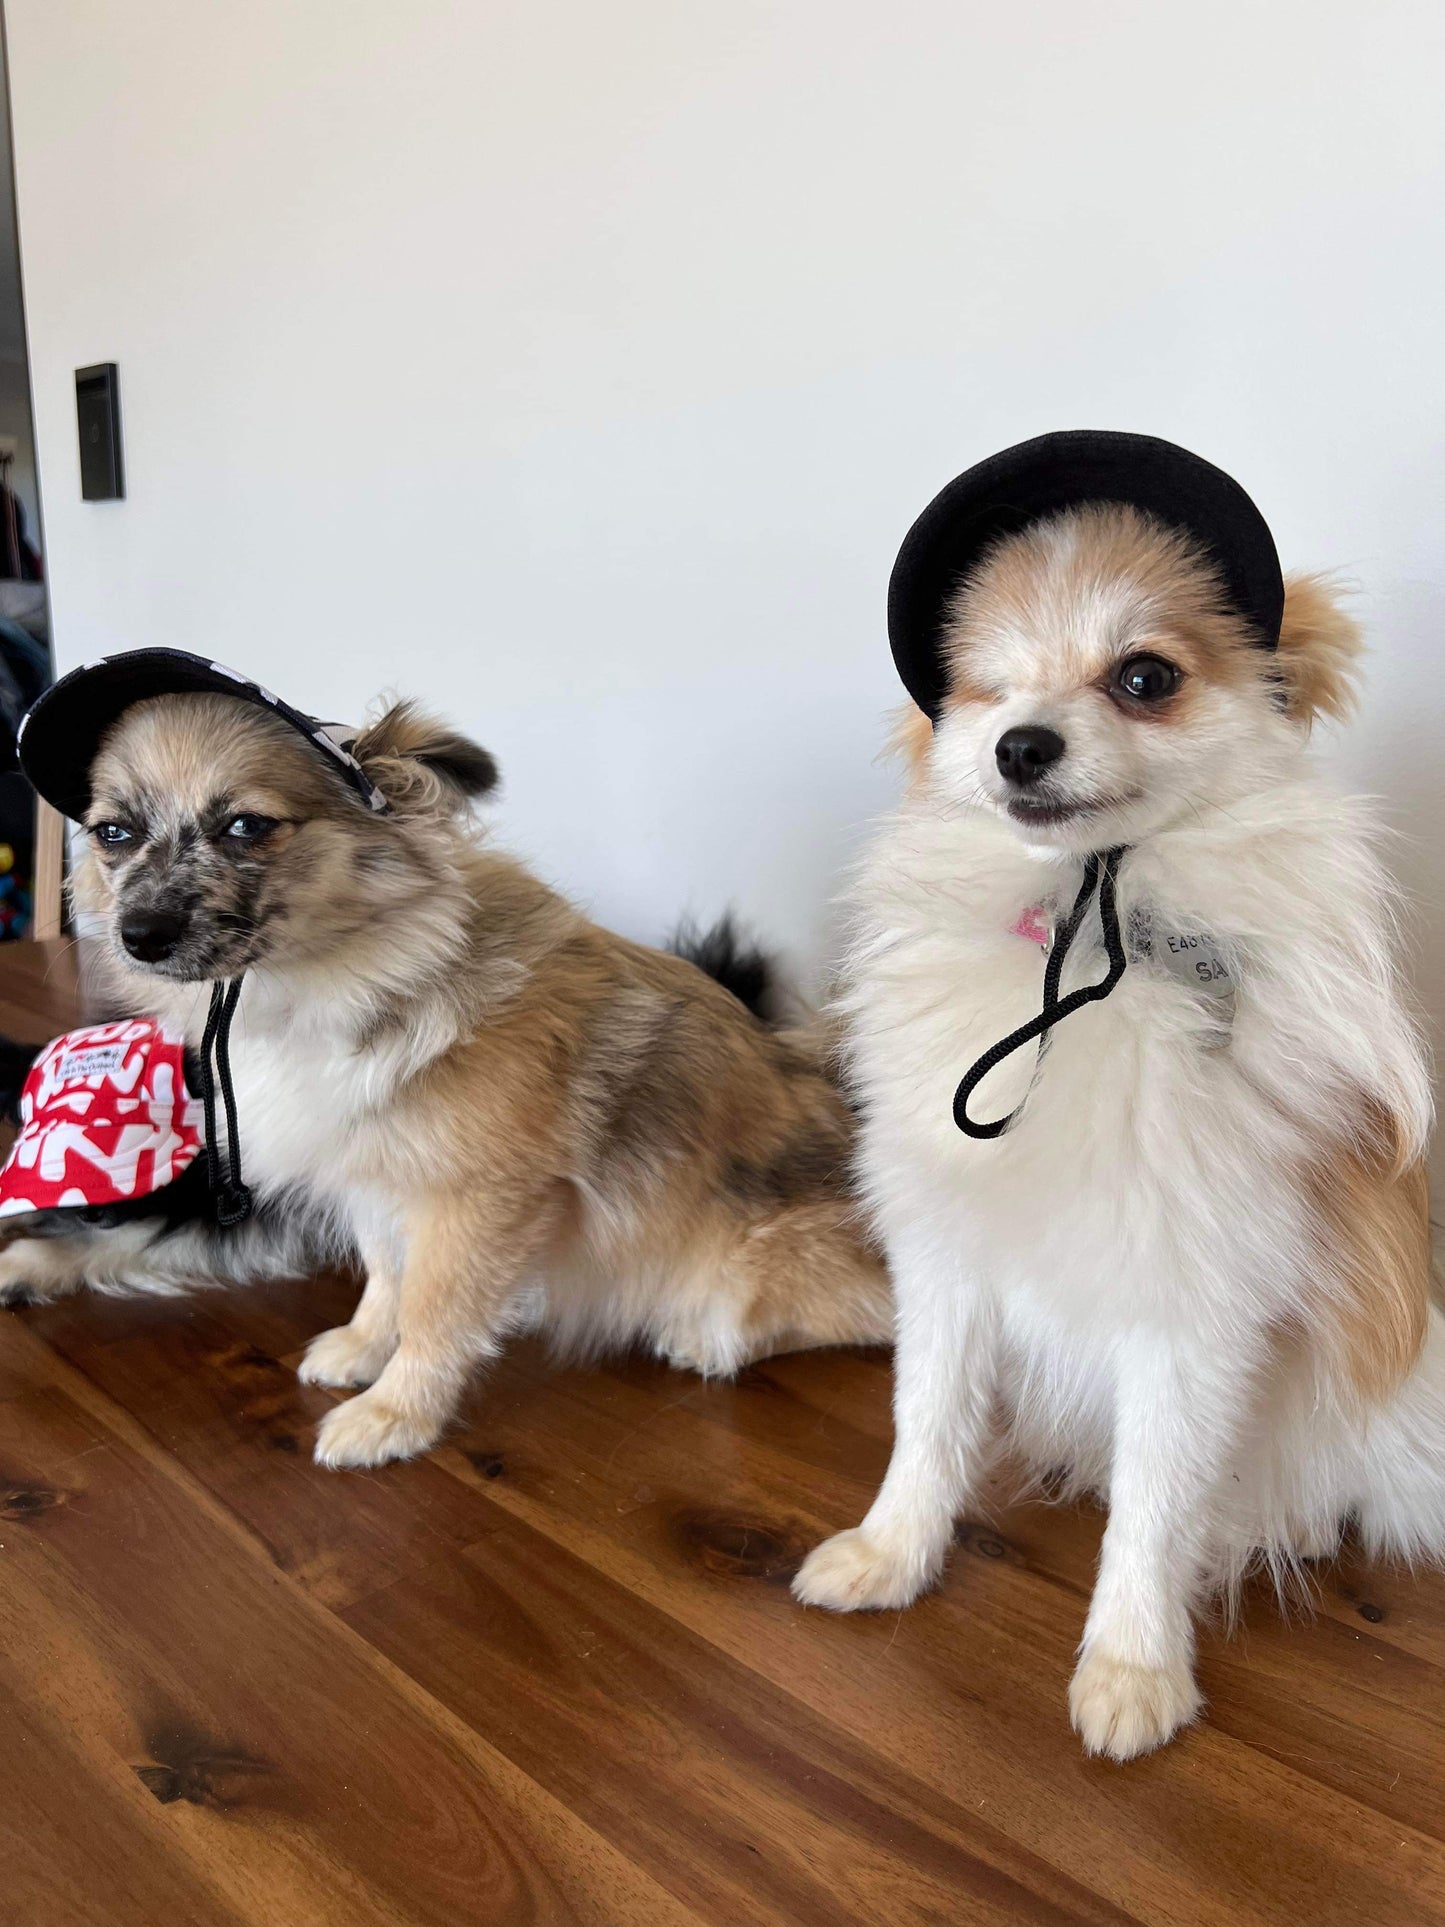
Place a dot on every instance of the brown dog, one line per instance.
(505, 1111)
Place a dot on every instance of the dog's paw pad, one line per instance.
(367, 1431)
(342, 1357)
(1124, 1710)
(853, 1572)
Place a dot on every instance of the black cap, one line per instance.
(61, 732)
(1036, 479)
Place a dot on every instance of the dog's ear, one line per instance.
(1319, 651)
(420, 765)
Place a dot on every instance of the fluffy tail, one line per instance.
(1319, 1462)
(1401, 1509)
(736, 962)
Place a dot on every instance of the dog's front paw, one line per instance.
(855, 1572)
(343, 1356)
(1124, 1710)
(367, 1431)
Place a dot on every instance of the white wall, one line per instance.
(579, 367)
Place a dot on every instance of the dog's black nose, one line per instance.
(150, 935)
(1024, 754)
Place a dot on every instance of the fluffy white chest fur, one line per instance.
(309, 1095)
(1152, 1182)
(315, 1106)
(1144, 1124)
(1135, 1282)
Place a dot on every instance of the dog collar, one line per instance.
(1190, 955)
(62, 730)
(1036, 479)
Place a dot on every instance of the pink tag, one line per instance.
(1031, 924)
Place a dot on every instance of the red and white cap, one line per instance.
(105, 1116)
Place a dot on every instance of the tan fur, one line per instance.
(1319, 651)
(689, 1142)
(910, 738)
(1034, 576)
(1037, 581)
(1374, 1231)
(546, 1104)
(421, 766)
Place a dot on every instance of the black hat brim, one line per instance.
(1035, 479)
(63, 731)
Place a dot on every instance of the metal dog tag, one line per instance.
(1193, 957)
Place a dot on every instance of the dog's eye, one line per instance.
(112, 836)
(248, 829)
(1147, 679)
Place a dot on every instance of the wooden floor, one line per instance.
(553, 1672)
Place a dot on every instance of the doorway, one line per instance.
(29, 896)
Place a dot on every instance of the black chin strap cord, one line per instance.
(232, 1199)
(1100, 872)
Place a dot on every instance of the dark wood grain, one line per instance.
(265, 1750)
(553, 1672)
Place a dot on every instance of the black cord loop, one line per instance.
(1099, 872)
(231, 1197)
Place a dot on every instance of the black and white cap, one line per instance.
(1033, 480)
(58, 739)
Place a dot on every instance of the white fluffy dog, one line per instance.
(1194, 1270)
